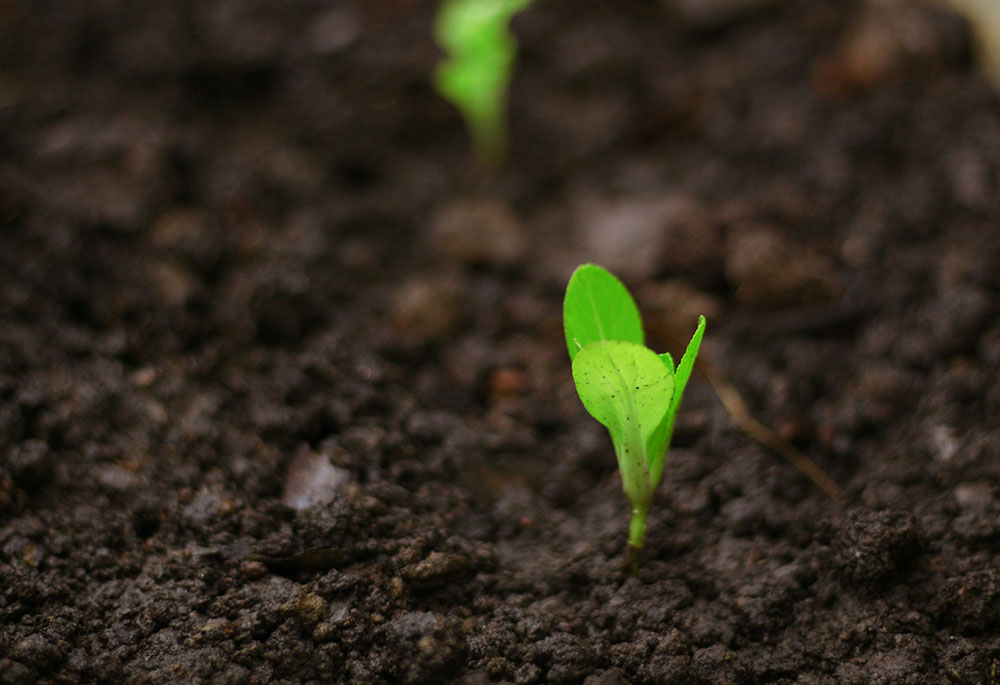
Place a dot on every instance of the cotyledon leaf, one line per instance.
(659, 441)
(626, 387)
(598, 307)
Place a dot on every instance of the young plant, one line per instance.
(481, 54)
(630, 389)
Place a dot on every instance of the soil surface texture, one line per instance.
(284, 395)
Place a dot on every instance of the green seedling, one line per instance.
(630, 389)
(481, 52)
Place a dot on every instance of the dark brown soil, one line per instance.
(283, 390)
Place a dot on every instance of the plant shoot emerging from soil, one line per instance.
(477, 72)
(630, 389)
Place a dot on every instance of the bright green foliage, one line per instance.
(598, 307)
(630, 389)
(481, 54)
(623, 385)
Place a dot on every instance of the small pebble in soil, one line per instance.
(190, 233)
(312, 480)
(323, 633)
(611, 229)
(172, 280)
(397, 588)
(254, 569)
(888, 36)
(477, 231)
(437, 569)
(506, 382)
(309, 608)
(117, 479)
(334, 30)
(427, 308)
(977, 496)
(770, 273)
(943, 441)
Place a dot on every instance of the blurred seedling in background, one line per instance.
(631, 390)
(481, 52)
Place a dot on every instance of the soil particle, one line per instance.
(15, 673)
(37, 652)
(436, 570)
(978, 497)
(715, 664)
(958, 316)
(871, 547)
(127, 160)
(769, 272)
(694, 243)
(477, 230)
(30, 465)
(675, 306)
(712, 14)
(612, 676)
(428, 308)
(611, 229)
(188, 232)
(878, 389)
(309, 608)
(312, 480)
(505, 383)
(972, 602)
(566, 658)
(434, 646)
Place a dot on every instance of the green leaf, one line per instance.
(659, 441)
(464, 27)
(475, 77)
(628, 388)
(687, 364)
(597, 308)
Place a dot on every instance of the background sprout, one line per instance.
(627, 387)
(481, 52)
